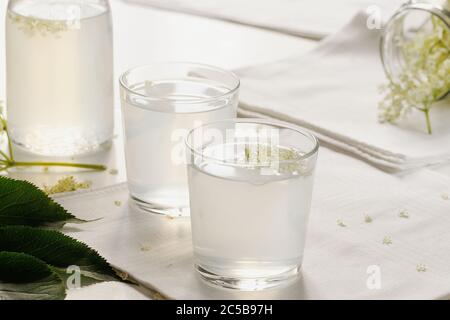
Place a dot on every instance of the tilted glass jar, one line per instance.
(413, 18)
(59, 56)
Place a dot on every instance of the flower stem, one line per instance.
(4, 168)
(10, 150)
(97, 167)
(427, 118)
(8, 161)
(6, 158)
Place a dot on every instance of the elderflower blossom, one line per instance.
(426, 78)
(340, 223)
(404, 214)
(32, 26)
(285, 160)
(421, 267)
(387, 240)
(66, 184)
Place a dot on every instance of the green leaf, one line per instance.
(24, 277)
(57, 250)
(22, 203)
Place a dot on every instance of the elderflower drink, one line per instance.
(250, 184)
(160, 104)
(59, 75)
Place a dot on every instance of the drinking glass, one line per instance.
(160, 104)
(59, 79)
(250, 184)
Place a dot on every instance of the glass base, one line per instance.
(66, 150)
(249, 284)
(159, 209)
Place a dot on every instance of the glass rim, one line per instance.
(232, 75)
(270, 122)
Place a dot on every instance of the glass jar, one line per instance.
(416, 18)
(59, 57)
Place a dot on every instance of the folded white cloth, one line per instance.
(333, 91)
(339, 261)
(308, 18)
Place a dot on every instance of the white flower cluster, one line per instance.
(32, 26)
(426, 77)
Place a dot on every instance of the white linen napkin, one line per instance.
(333, 91)
(307, 18)
(157, 250)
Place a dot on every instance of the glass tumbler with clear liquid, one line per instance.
(59, 59)
(160, 104)
(250, 185)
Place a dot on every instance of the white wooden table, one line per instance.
(144, 35)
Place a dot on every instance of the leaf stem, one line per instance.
(97, 167)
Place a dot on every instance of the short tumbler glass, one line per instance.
(160, 104)
(250, 184)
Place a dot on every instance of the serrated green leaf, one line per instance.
(25, 277)
(57, 250)
(22, 203)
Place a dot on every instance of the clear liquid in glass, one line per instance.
(59, 75)
(154, 139)
(248, 226)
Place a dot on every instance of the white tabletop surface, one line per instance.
(144, 35)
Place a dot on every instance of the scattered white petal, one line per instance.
(404, 214)
(340, 223)
(145, 248)
(421, 267)
(368, 219)
(387, 240)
